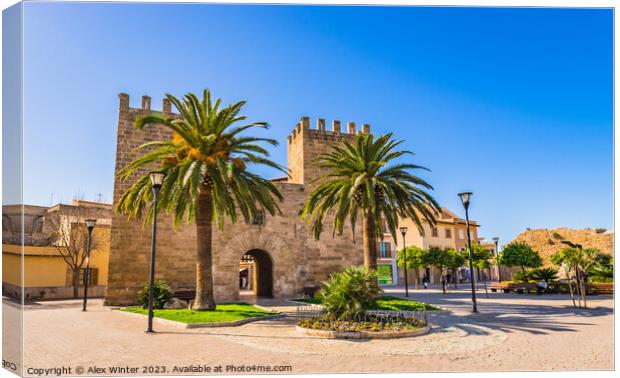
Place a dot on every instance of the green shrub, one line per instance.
(347, 294)
(162, 293)
(544, 274)
(522, 276)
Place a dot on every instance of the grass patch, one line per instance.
(227, 312)
(387, 302)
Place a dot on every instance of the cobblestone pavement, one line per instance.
(511, 332)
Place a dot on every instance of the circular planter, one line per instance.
(363, 334)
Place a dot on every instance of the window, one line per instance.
(448, 233)
(259, 219)
(434, 232)
(461, 234)
(385, 250)
(92, 277)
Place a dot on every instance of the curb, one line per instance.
(204, 325)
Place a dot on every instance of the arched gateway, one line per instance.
(256, 274)
(266, 264)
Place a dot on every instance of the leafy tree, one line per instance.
(206, 162)
(362, 180)
(520, 254)
(576, 262)
(455, 261)
(442, 259)
(603, 269)
(416, 259)
(349, 293)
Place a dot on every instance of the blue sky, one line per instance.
(512, 104)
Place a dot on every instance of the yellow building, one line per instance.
(450, 231)
(38, 265)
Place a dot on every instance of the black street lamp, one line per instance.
(90, 224)
(465, 198)
(403, 231)
(157, 178)
(499, 267)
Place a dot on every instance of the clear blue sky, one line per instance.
(512, 104)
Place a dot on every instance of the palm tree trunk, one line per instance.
(370, 242)
(204, 263)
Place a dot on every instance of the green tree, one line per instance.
(576, 262)
(520, 254)
(603, 269)
(416, 259)
(481, 258)
(455, 261)
(442, 259)
(207, 180)
(363, 180)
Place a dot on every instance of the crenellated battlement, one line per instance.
(145, 105)
(320, 132)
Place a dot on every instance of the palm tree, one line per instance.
(360, 181)
(207, 179)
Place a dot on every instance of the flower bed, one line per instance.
(367, 329)
(371, 324)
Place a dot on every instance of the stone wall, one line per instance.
(298, 260)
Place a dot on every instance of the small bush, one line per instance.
(347, 294)
(162, 293)
(544, 274)
(600, 230)
(522, 276)
(558, 236)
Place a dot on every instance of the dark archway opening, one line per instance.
(256, 274)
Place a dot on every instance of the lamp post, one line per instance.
(90, 224)
(465, 198)
(499, 267)
(157, 178)
(403, 231)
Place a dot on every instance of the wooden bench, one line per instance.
(519, 287)
(309, 291)
(601, 288)
(499, 286)
(184, 295)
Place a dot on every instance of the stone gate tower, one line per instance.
(285, 255)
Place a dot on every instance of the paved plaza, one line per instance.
(511, 332)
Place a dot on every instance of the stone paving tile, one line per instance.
(510, 333)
